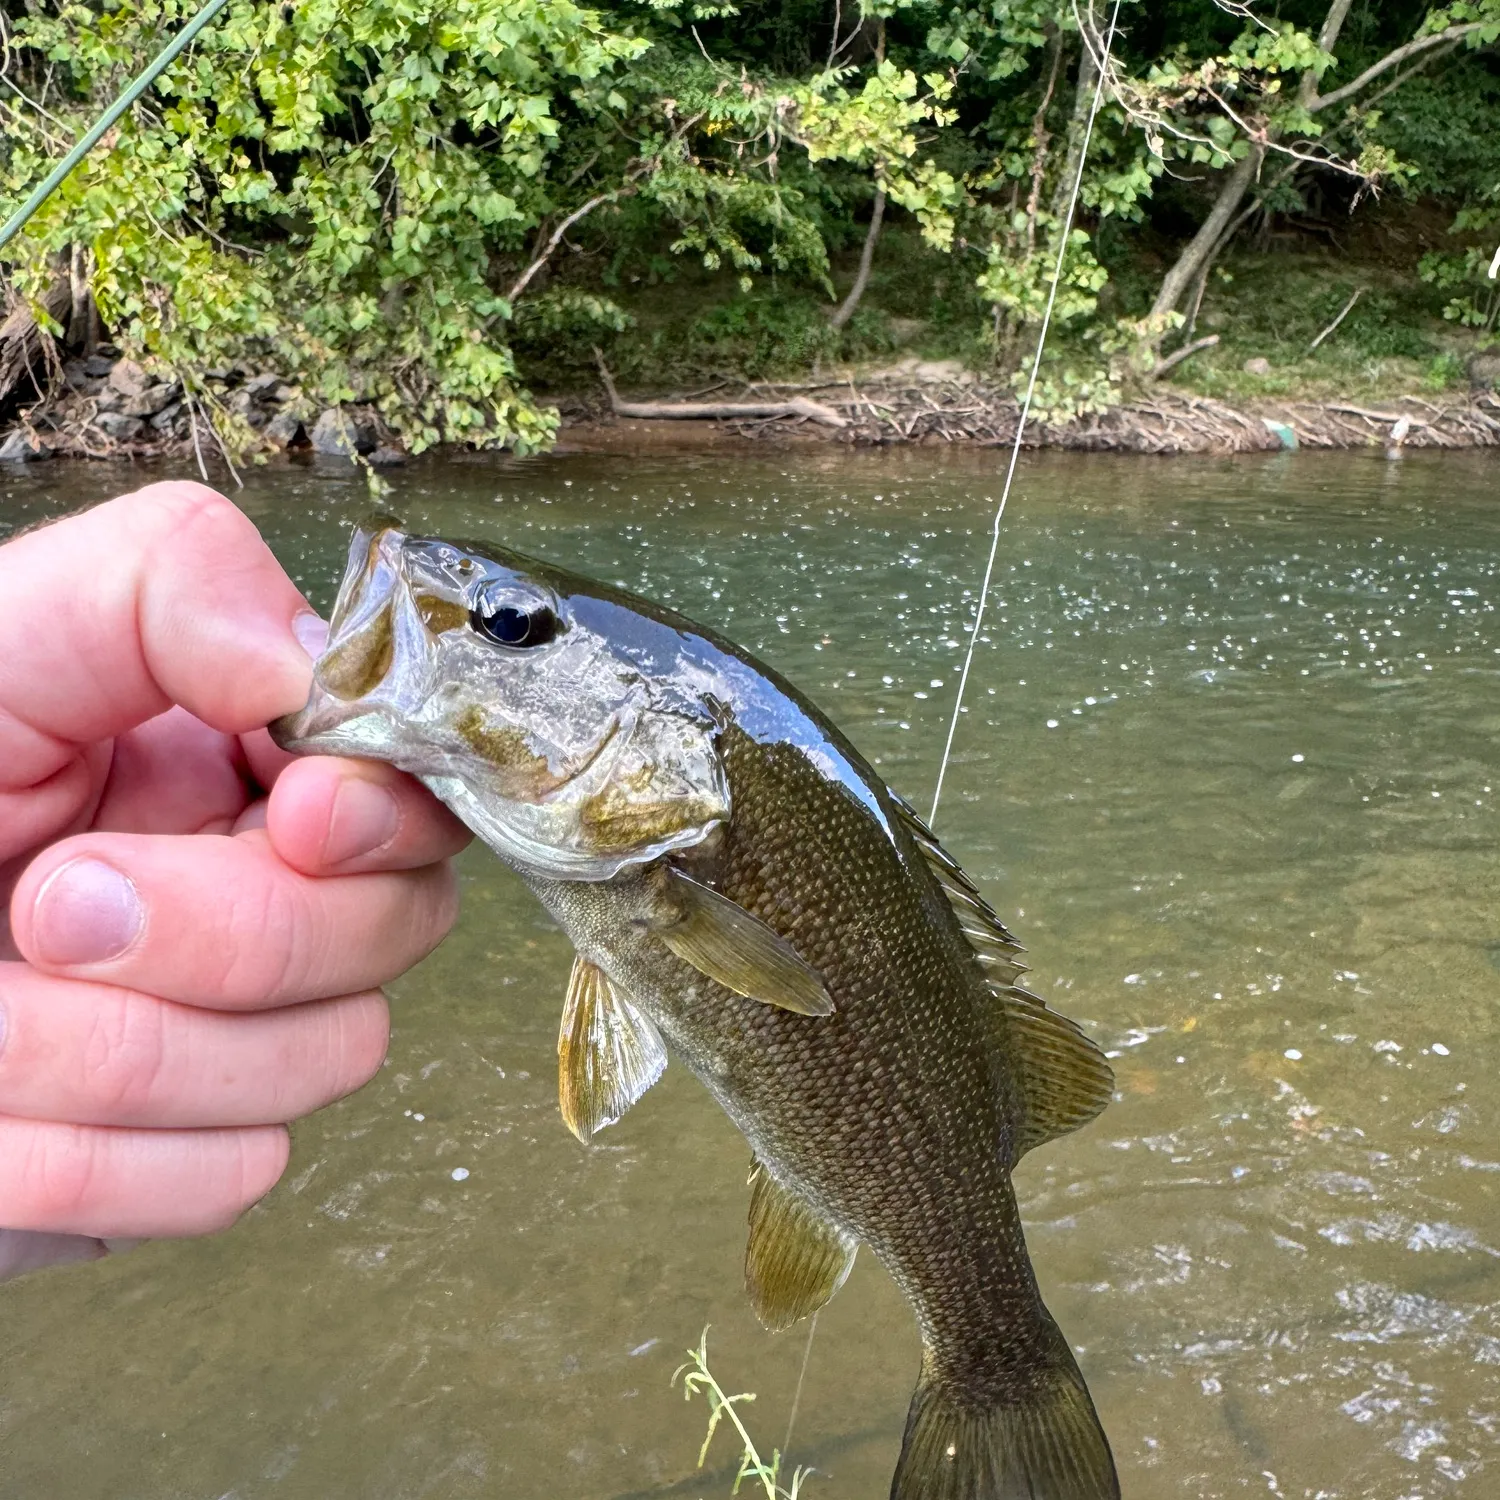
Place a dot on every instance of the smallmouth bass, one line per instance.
(744, 892)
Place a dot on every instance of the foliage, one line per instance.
(698, 1380)
(428, 206)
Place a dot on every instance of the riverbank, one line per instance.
(108, 407)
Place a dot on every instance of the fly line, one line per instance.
(1015, 450)
(989, 569)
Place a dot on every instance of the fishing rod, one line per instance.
(133, 91)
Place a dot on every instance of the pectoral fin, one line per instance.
(795, 1260)
(608, 1053)
(721, 939)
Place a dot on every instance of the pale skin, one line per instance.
(199, 925)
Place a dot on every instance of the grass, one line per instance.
(698, 1380)
(1272, 306)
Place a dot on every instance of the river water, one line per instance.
(1229, 770)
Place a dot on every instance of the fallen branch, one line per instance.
(682, 411)
(1186, 352)
(1373, 416)
(1359, 292)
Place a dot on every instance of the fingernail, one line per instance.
(312, 633)
(85, 913)
(364, 817)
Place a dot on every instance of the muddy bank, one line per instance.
(108, 407)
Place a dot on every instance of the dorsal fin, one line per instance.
(1064, 1077)
(988, 936)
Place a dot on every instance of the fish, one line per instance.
(746, 895)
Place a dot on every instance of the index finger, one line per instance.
(167, 595)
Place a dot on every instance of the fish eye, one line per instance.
(516, 625)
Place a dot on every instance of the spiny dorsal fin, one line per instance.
(608, 1053)
(732, 946)
(795, 1260)
(1064, 1077)
(989, 937)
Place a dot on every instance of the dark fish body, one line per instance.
(849, 999)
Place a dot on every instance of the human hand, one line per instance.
(198, 923)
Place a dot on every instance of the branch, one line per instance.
(798, 406)
(1391, 60)
(1333, 23)
(1178, 355)
(613, 196)
(1359, 292)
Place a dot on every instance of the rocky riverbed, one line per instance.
(107, 406)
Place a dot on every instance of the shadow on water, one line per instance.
(1228, 768)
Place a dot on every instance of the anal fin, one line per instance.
(608, 1053)
(795, 1260)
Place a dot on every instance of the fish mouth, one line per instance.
(362, 642)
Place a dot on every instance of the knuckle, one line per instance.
(177, 504)
(125, 1054)
(262, 955)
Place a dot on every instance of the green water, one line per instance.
(1230, 771)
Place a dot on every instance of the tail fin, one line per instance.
(1046, 1445)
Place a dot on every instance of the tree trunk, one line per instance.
(1328, 36)
(846, 308)
(79, 321)
(1083, 98)
(1198, 249)
(26, 348)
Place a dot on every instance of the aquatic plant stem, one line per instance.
(153, 71)
(1015, 451)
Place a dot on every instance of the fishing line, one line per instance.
(791, 1421)
(1015, 451)
(154, 68)
(989, 569)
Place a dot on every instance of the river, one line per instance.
(1228, 770)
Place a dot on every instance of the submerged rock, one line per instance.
(22, 447)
